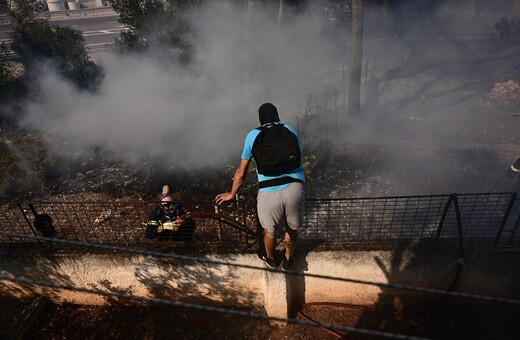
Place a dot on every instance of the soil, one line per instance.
(444, 319)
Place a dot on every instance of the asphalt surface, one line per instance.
(98, 30)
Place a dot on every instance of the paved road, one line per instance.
(97, 30)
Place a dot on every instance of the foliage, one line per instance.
(313, 125)
(249, 188)
(23, 160)
(155, 24)
(6, 73)
(506, 93)
(339, 10)
(508, 31)
(23, 11)
(37, 40)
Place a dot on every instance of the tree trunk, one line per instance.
(280, 15)
(356, 58)
(477, 9)
(371, 94)
(515, 9)
(248, 18)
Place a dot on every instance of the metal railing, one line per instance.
(234, 227)
(72, 13)
(378, 219)
(124, 223)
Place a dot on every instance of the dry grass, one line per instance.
(506, 93)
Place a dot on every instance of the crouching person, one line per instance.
(170, 221)
(43, 226)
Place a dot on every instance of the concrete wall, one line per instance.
(491, 271)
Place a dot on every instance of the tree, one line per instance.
(280, 13)
(36, 41)
(154, 24)
(23, 11)
(356, 59)
(6, 73)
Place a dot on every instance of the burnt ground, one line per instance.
(455, 319)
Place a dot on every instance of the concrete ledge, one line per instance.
(490, 271)
(276, 292)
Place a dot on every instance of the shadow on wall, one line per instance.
(42, 265)
(179, 280)
(442, 316)
(295, 284)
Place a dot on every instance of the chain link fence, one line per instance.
(233, 226)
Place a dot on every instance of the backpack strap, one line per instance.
(268, 125)
(278, 181)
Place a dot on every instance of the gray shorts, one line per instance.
(277, 207)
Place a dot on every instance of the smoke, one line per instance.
(193, 117)
(431, 124)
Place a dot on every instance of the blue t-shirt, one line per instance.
(248, 155)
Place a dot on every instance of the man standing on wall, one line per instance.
(276, 149)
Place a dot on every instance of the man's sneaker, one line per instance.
(287, 264)
(271, 263)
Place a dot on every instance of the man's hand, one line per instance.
(239, 178)
(224, 197)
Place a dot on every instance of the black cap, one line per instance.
(268, 113)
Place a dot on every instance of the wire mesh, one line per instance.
(372, 219)
(483, 215)
(232, 226)
(13, 219)
(124, 224)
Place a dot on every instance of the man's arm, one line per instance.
(238, 180)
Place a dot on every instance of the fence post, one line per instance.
(444, 214)
(515, 227)
(219, 225)
(506, 216)
(29, 222)
(459, 224)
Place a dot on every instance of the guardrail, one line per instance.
(91, 48)
(328, 222)
(105, 10)
(99, 47)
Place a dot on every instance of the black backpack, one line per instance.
(276, 150)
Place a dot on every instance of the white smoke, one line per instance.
(197, 117)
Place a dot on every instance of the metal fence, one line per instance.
(69, 13)
(123, 224)
(483, 216)
(491, 217)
